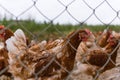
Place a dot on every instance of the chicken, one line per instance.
(97, 56)
(4, 35)
(102, 40)
(51, 61)
(116, 34)
(85, 46)
(110, 50)
(82, 51)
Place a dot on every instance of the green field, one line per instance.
(47, 30)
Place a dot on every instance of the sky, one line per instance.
(76, 12)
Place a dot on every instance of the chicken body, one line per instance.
(85, 47)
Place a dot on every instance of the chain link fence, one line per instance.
(52, 58)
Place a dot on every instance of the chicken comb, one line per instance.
(88, 31)
(1, 32)
(1, 26)
(111, 36)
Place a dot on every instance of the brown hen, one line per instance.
(102, 39)
(4, 35)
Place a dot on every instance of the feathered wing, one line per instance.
(102, 40)
(19, 35)
(16, 43)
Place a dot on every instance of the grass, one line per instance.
(47, 30)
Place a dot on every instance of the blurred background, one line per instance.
(38, 17)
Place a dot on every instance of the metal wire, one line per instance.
(51, 22)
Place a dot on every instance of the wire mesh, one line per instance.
(52, 59)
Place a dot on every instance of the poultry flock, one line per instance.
(55, 60)
(97, 54)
